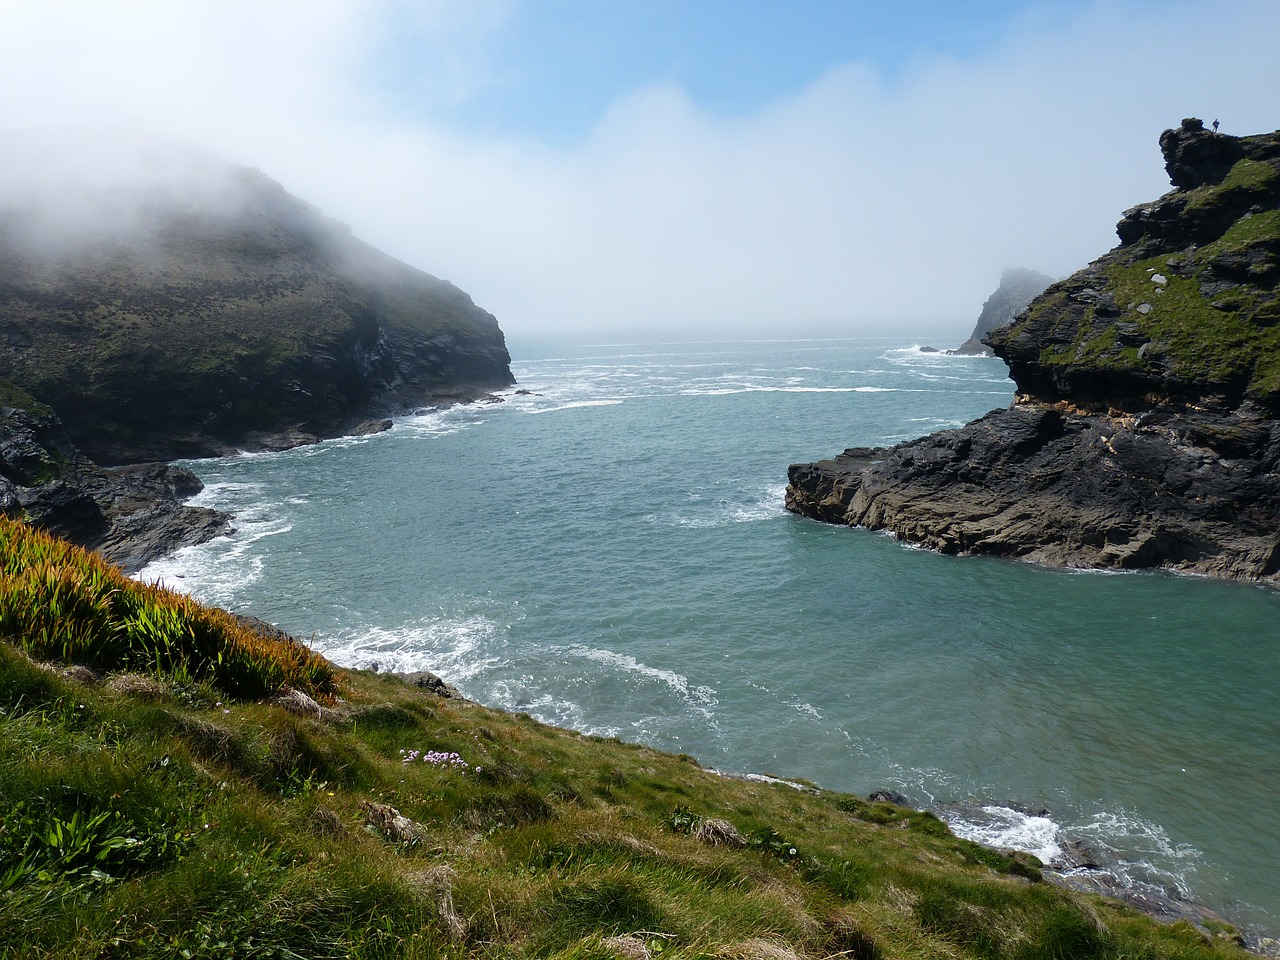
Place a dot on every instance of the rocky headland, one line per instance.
(1144, 430)
(1018, 287)
(158, 303)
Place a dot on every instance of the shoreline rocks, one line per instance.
(131, 515)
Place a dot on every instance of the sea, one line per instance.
(604, 546)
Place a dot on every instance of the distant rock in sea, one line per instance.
(1018, 287)
(1145, 430)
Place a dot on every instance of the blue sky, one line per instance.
(617, 168)
(550, 69)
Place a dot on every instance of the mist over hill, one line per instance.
(167, 303)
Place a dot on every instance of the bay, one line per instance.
(608, 551)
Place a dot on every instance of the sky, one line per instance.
(623, 169)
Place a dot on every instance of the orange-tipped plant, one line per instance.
(61, 602)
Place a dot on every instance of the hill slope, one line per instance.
(206, 788)
(1144, 431)
(167, 304)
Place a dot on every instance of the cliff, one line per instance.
(1144, 431)
(167, 304)
(1018, 287)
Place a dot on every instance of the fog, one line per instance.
(866, 202)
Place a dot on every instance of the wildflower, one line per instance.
(437, 758)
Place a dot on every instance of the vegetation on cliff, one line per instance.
(1186, 308)
(166, 804)
(168, 304)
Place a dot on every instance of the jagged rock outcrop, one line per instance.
(167, 304)
(1145, 428)
(1018, 287)
(131, 515)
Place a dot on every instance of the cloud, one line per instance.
(868, 201)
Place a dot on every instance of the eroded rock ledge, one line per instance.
(1145, 432)
(1061, 486)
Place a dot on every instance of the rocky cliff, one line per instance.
(1144, 432)
(131, 515)
(1018, 287)
(157, 303)
(167, 304)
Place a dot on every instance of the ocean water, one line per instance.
(606, 549)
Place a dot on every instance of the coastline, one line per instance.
(167, 523)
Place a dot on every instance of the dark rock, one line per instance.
(277, 442)
(1193, 156)
(432, 684)
(131, 515)
(369, 427)
(1138, 436)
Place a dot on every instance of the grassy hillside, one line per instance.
(207, 791)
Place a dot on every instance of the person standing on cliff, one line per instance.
(1215, 126)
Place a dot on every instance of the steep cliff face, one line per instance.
(180, 316)
(1018, 287)
(1144, 432)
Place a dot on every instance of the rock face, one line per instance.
(131, 515)
(167, 305)
(1018, 287)
(1144, 432)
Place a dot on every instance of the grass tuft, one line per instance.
(60, 602)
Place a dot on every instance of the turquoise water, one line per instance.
(610, 552)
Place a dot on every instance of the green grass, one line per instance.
(1222, 344)
(12, 395)
(1247, 179)
(151, 815)
(1225, 338)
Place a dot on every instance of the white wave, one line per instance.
(218, 570)
(766, 388)
(515, 697)
(1006, 829)
(766, 504)
(1140, 854)
(613, 402)
(761, 778)
(454, 648)
(701, 697)
(443, 422)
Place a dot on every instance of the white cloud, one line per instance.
(856, 204)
